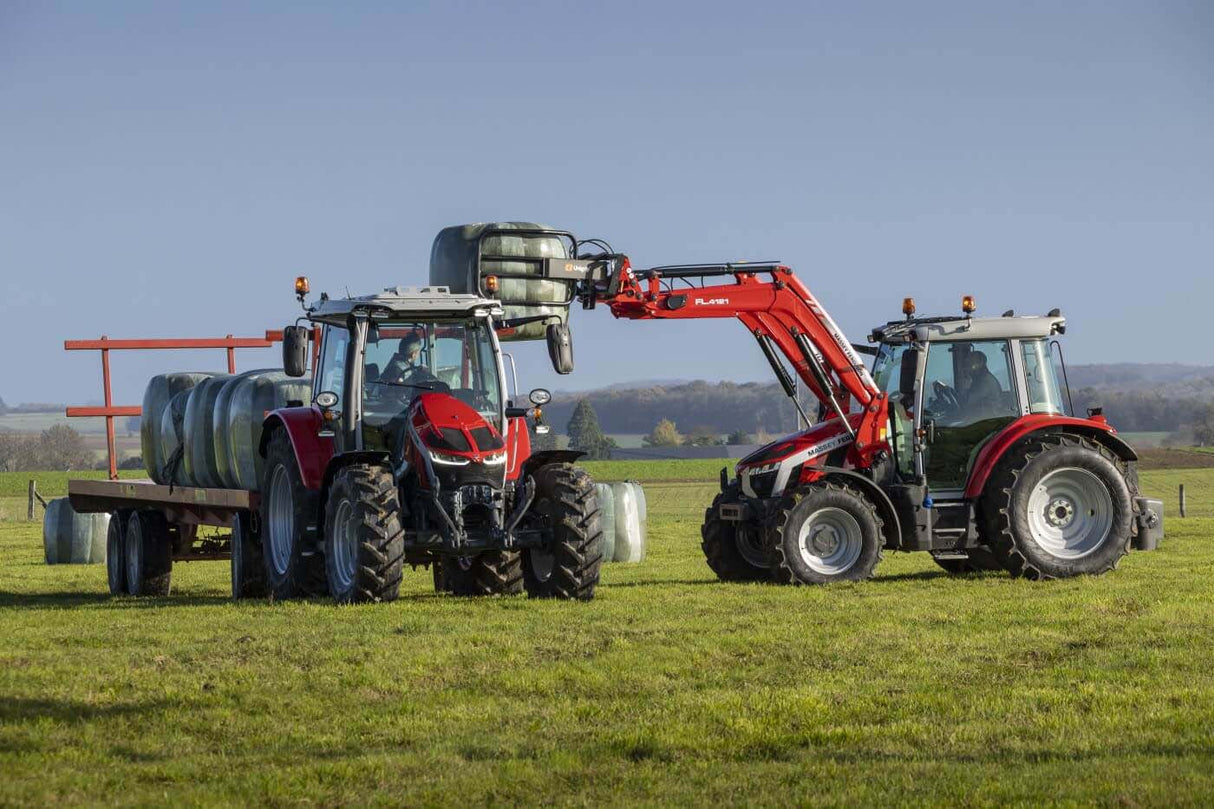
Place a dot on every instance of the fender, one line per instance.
(312, 451)
(549, 456)
(335, 465)
(1097, 429)
(890, 526)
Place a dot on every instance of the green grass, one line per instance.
(669, 688)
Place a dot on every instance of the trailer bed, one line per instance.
(189, 505)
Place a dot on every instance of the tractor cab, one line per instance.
(957, 382)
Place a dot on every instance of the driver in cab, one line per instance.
(405, 367)
(983, 394)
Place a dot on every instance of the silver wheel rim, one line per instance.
(134, 550)
(345, 547)
(750, 546)
(542, 564)
(830, 541)
(1070, 513)
(282, 520)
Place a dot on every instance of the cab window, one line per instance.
(333, 362)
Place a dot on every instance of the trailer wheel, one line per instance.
(966, 560)
(248, 560)
(115, 553)
(148, 554)
(735, 551)
(287, 507)
(1059, 506)
(364, 541)
(824, 533)
(567, 507)
(486, 574)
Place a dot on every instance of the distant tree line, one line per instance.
(56, 449)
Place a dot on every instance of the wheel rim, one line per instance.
(282, 520)
(751, 547)
(134, 550)
(345, 547)
(542, 564)
(1070, 513)
(830, 541)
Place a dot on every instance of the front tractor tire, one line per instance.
(735, 551)
(567, 507)
(287, 508)
(825, 533)
(364, 541)
(1059, 506)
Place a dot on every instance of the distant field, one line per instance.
(1138, 440)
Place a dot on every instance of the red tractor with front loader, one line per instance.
(958, 442)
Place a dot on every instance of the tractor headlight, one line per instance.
(449, 460)
(494, 460)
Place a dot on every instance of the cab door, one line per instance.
(969, 395)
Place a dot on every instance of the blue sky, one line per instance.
(168, 169)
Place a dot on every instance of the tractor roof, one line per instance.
(947, 329)
(423, 302)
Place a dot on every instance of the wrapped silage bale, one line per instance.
(171, 438)
(69, 538)
(453, 264)
(219, 427)
(630, 529)
(606, 500)
(156, 397)
(251, 399)
(198, 433)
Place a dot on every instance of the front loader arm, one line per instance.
(771, 302)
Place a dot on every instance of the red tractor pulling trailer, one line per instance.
(956, 443)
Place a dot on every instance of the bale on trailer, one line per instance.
(171, 439)
(219, 427)
(252, 397)
(198, 432)
(156, 397)
(455, 262)
(69, 538)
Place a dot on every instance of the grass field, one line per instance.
(669, 688)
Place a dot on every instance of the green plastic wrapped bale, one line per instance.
(171, 434)
(69, 538)
(219, 427)
(453, 264)
(630, 527)
(607, 513)
(160, 391)
(198, 433)
(251, 398)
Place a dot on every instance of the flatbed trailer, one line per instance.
(139, 557)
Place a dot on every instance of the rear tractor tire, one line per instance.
(248, 560)
(364, 541)
(148, 555)
(735, 551)
(567, 507)
(287, 508)
(1059, 506)
(486, 574)
(825, 533)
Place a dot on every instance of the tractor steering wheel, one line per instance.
(945, 396)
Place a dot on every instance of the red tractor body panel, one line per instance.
(518, 447)
(990, 454)
(312, 451)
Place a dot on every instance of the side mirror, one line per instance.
(540, 397)
(295, 350)
(560, 348)
(906, 377)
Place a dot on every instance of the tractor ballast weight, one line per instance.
(520, 264)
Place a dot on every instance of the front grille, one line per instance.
(762, 484)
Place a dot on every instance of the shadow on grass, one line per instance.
(18, 709)
(75, 599)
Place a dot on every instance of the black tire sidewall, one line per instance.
(115, 554)
(1070, 457)
(831, 497)
(719, 542)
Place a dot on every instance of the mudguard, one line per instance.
(989, 456)
(890, 526)
(549, 456)
(312, 451)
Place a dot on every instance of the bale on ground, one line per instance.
(198, 432)
(69, 538)
(606, 498)
(630, 528)
(160, 391)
